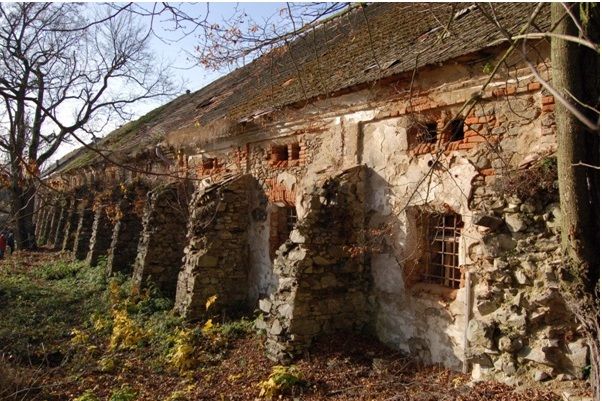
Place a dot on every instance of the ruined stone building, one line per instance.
(372, 176)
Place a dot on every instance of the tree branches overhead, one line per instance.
(68, 67)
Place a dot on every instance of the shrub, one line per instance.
(59, 270)
(539, 182)
(282, 379)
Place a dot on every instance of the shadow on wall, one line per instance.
(411, 311)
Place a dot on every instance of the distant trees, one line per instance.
(64, 69)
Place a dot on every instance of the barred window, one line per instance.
(442, 262)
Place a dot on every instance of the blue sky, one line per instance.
(179, 55)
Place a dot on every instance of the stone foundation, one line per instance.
(163, 239)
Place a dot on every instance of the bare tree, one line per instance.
(64, 69)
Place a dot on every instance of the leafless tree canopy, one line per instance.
(65, 69)
(60, 74)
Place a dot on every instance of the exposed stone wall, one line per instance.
(520, 326)
(71, 225)
(59, 234)
(163, 238)
(81, 241)
(125, 238)
(100, 238)
(52, 217)
(216, 260)
(323, 287)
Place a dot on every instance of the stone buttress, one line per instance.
(126, 235)
(81, 241)
(216, 260)
(59, 234)
(100, 238)
(323, 285)
(70, 225)
(163, 238)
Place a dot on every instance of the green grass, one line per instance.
(40, 307)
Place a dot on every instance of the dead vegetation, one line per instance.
(69, 334)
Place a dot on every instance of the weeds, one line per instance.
(125, 393)
(540, 181)
(283, 379)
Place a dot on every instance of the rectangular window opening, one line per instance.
(456, 128)
(279, 153)
(294, 151)
(430, 134)
(209, 163)
(442, 262)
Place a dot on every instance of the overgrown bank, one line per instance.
(68, 333)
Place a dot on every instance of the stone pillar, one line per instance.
(126, 235)
(51, 220)
(81, 242)
(59, 233)
(40, 220)
(100, 238)
(70, 226)
(323, 287)
(216, 260)
(163, 238)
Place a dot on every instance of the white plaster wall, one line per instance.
(262, 279)
(415, 323)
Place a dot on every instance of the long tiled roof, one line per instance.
(361, 46)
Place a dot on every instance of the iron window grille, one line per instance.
(442, 264)
(291, 219)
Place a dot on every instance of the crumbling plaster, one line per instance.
(368, 129)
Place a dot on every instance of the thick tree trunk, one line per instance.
(23, 210)
(575, 71)
(577, 184)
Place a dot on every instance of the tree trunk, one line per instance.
(23, 210)
(575, 70)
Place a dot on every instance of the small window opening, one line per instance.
(279, 153)
(282, 222)
(456, 127)
(209, 163)
(442, 262)
(421, 133)
(429, 133)
(294, 151)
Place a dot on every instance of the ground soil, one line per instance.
(342, 366)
